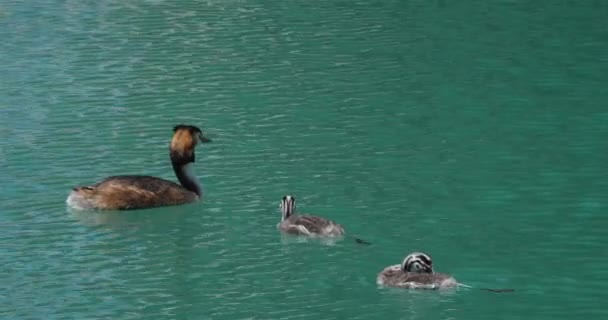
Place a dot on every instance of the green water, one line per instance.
(474, 131)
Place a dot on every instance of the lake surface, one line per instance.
(474, 131)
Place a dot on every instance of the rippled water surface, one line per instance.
(476, 132)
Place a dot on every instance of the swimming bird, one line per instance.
(307, 225)
(416, 272)
(127, 192)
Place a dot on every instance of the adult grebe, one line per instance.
(307, 225)
(139, 192)
(416, 272)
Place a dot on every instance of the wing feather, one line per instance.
(134, 192)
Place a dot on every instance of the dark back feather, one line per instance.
(135, 192)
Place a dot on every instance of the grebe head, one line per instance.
(189, 134)
(185, 138)
(181, 149)
(288, 206)
(417, 262)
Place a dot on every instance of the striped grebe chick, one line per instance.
(307, 225)
(138, 192)
(415, 272)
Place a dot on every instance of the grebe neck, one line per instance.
(187, 178)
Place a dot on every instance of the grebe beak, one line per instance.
(203, 139)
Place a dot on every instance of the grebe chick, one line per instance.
(138, 192)
(415, 272)
(306, 225)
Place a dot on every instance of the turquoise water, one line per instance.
(474, 131)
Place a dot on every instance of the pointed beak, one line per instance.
(203, 139)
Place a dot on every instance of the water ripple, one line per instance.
(416, 129)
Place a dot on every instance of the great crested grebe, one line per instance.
(138, 192)
(416, 272)
(307, 225)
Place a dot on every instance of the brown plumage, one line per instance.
(310, 225)
(416, 272)
(307, 225)
(137, 192)
(134, 192)
(394, 276)
(183, 142)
